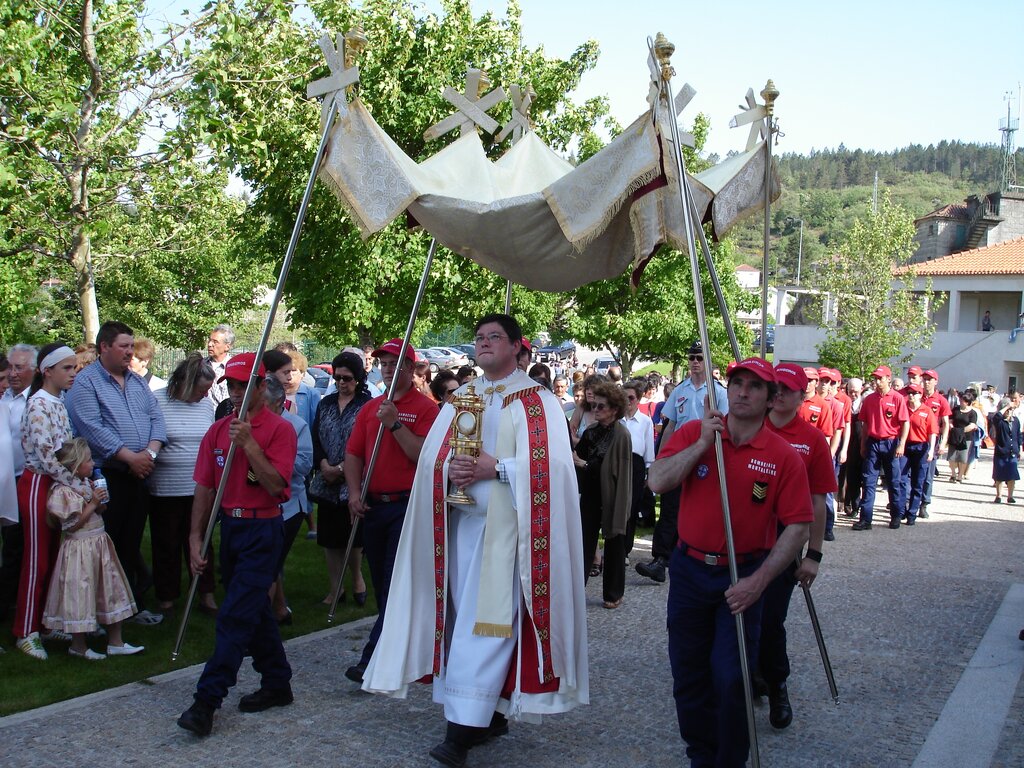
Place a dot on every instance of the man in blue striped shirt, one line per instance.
(114, 410)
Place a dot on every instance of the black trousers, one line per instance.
(773, 660)
(10, 566)
(666, 531)
(125, 520)
(639, 480)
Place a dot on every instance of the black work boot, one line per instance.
(653, 570)
(780, 712)
(498, 727)
(457, 742)
(198, 718)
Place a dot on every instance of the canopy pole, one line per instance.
(769, 94)
(251, 387)
(380, 427)
(508, 298)
(663, 49)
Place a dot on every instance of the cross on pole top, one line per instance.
(664, 70)
(519, 122)
(341, 58)
(753, 114)
(471, 107)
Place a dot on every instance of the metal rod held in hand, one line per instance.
(820, 638)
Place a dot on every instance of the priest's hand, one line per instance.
(465, 470)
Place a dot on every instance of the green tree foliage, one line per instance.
(85, 91)
(876, 320)
(248, 104)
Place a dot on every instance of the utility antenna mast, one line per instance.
(1008, 126)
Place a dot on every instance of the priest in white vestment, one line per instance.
(487, 599)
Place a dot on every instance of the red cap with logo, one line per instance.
(837, 377)
(914, 370)
(526, 344)
(811, 374)
(792, 376)
(930, 374)
(239, 368)
(882, 370)
(916, 388)
(757, 366)
(825, 374)
(393, 347)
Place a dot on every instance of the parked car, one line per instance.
(563, 350)
(602, 364)
(443, 357)
(322, 379)
(769, 339)
(469, 350)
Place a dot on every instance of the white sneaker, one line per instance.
(147, 618)
(32, 646)
(124, 649)
(55, 634)
(89, 654)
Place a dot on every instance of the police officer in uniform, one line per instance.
(252, 536)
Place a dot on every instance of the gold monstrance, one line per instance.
(466, 439)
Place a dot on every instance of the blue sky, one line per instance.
(870, 75)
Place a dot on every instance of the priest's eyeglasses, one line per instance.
(490, 338)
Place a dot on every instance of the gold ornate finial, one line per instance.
(770, 93)
(663, 49)
(355, 44)
(483, 84)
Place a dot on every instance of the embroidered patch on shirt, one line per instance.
(760, 493)
(702, 471)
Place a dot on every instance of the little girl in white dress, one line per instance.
(88, 586)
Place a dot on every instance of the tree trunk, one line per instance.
(85, 283)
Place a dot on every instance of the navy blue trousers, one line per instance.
(703, 649)
(382, 528)
(880, 456)
(916, 472)
(249, 554)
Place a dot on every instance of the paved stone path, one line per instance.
(903, 613)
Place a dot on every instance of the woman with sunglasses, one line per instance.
(605, 457)
(443, 387)
(335, 417)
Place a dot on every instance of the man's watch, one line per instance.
(152, 453)
(395, 427)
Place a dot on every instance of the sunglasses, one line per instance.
(601, 406)
(695, 358)
(346, 379)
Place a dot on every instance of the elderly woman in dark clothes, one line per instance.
(335, 416)
(1006, 435)
(605, 457)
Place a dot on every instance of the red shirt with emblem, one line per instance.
(884, 415)
(847, 408)
(279, 442)
(812, 446)
(393, 472)
(816, 412)
(938, 404)
(923, 425)
(766, 481)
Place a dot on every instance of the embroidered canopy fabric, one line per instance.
(530, 216)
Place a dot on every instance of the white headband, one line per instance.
(60, 353)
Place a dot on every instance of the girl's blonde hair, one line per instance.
(74, 453)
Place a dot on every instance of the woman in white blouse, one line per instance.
(188, 414)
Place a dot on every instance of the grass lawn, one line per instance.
(26, 683)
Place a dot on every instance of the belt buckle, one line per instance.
(237, 512)
(710, 559)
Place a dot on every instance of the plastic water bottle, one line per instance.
(99, 483)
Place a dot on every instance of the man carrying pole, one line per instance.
(252, 535)
(810, 443)
(767, 485)
(406, 418)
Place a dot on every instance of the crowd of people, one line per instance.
(483, 592)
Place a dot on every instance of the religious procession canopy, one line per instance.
(531, 216)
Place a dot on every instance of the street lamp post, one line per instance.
(800, 246)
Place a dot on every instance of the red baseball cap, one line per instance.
(811, 374)
(792, 376)
(757, 366)
(914, 370)
(837, 377)
(526, 344)
(730, 368)
(393, 347)
(239, 368)
(916, 388)
(882, 370)
(930, 374)
(825, 374)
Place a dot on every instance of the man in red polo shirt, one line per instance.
(914, 376)
(406, 419)
(767, 485)
(883, 442)
(940, 407)
(828, 386)
(814, 410)
(251, 539)
(810, 444)
(921, 437)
